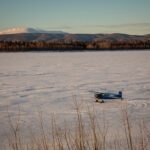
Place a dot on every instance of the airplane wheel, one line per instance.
(102, 101)
(96, 100)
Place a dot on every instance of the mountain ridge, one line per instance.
(21, 30)
(66, 37)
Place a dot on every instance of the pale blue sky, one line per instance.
(78, 16)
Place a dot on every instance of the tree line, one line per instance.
(12, 46)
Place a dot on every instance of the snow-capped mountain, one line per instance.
(18, 30)
(32, 34)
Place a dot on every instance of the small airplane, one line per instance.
(99, 96)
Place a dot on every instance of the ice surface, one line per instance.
(49, 81)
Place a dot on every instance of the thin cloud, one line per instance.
(128, 28)
(122, 25)
(59, 27)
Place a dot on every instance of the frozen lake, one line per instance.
(48, 81)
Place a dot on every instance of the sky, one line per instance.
(78, 16)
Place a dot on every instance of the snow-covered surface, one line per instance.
(49, 81)
(17, 30)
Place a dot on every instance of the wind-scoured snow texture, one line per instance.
(49, 81)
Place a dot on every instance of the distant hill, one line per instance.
(29, 39)
(62, 36)
(20, 30)
(34, 34)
